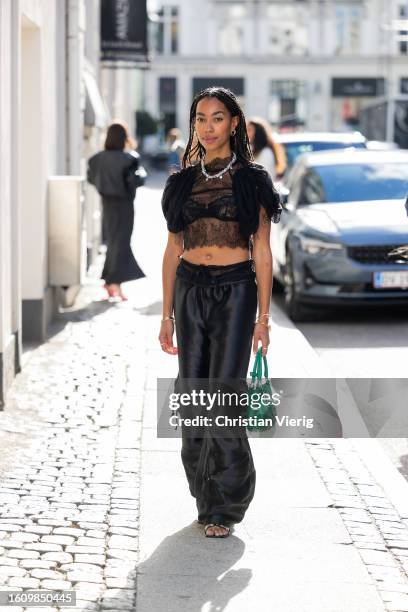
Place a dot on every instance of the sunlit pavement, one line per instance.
(92, 500)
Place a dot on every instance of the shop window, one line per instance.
(287, 101)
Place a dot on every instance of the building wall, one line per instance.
(321, 46)
(42, 100)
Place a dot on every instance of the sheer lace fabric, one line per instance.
(210, 213)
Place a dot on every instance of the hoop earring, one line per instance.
(233, 132)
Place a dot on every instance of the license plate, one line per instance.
(391, 280)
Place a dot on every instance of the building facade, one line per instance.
(317, 60)
(51, 120)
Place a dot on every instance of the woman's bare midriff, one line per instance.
(215, 256)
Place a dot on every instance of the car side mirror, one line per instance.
(284, 197)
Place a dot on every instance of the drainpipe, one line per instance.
(75, 27)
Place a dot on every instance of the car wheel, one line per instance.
(296, 310)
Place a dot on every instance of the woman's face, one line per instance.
(251, 131)
(213, 125)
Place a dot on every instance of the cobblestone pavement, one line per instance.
(69, 499)
(374, 526)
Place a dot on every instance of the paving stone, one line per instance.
(68, 531)
(90, 525)
(12, 527)
(11, 544)
(119, 541)
(123, 599)
(125, 531)
(23, 554)
(39, 529)
(58, 539)
(88, 591)
(96, 533)
(8, 561)
(89, 558)
(47, 573)
(88, 541)
(79, 575)
(25, 582)
(11, 570)
(44, 547)
(26, 537)
(37, 563)
(120, 583)
(55, 585)
(127, 555)
(59, 557)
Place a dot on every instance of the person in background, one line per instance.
(266, 151)
(113, 172)
(176, 150)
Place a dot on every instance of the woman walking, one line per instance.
(266, 151)
(112, 172)
(217, 269)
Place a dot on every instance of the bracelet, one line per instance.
(264, 324)
(265, 314)
(168, 318)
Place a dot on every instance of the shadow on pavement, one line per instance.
(189, 573)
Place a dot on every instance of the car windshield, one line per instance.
(294, 149)
(355, 182)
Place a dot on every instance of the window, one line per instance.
(166, 22)
(312, 191)
(287, 30)
(287, 99)
(348, 24)
(230, 34)
(403, 34)
(168, 102)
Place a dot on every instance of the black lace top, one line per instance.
(210, 213)
(220, 211)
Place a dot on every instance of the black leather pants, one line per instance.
(215, 310)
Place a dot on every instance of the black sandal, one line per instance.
(218, 521)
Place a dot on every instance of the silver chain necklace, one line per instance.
(222, 172)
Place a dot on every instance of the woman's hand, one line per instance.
(261, 334)
(166, 337)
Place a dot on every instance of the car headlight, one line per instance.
(313, 246)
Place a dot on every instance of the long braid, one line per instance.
(239, 142)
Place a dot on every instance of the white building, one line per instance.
(51, 117)
(320, 60)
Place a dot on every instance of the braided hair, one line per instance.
(239, 142)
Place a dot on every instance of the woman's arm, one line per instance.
(174, 249)
(262, 256)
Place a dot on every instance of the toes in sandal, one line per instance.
(214, 535)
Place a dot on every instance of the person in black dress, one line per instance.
(112, 172)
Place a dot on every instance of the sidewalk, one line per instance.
(91, 500)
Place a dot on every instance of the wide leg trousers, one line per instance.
(215, 310)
